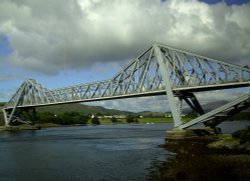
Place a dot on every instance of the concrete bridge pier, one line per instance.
(191, 133)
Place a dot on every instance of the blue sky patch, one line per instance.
(228, 2)
(5, 48)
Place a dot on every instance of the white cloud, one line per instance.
(5, 78)
(52, 36)
(218, 95)
(155, 103)
(48, 36)
(160, 103)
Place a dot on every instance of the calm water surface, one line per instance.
(105, 152)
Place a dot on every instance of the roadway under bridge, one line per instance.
(159, 70)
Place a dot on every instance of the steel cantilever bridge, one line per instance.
(160, 70)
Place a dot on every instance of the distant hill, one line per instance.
(213, 105)
(81, 108)
(209, 106)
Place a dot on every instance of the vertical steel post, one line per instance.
(175, 109)
(5, 117)
(15, 106)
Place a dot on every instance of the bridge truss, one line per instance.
(160, 70)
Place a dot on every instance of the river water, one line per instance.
(88, 153)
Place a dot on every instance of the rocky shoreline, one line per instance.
(205, 158)
(18, 128)
(228, 143)
(35, 127)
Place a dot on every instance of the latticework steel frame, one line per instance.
(157, 71)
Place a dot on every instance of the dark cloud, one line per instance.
(48, 36)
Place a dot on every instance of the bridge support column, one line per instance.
(183, 134)
(192, 101)
(6, 122)
(173, 102)
(9, 116)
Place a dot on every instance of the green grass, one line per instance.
(144, 120)
(108, 121)
(155, 120)
(140, 120)
(2, 103)
(161, 120)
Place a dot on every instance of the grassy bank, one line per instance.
(144, 120)
(140, 120)
(239, 141)
(105, 121)
(20, 127)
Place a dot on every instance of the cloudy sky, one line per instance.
(66, 42)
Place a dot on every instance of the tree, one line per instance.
(46, 117)
(99, 114)
(131, 119)
(66, 118)
(113, 119)
(243, 135)
(95, 120)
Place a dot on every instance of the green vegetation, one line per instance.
(70, 114)
(155, 120)
(239, 141)
(1, 105)
(80, 108)
(95, 120)
(1, 119)
(131, 119)
(66, 118)
(242, 116)
(243, 135)
(134, 118)
(113, 119)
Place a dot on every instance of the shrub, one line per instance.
(237, 134)
(113, 119)
(95, 120)
(243, 135)
(131, 119)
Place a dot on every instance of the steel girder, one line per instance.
(158, 70)
(216, 116)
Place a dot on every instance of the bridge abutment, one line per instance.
(190, 133)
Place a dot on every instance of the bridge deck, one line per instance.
(144, 94)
